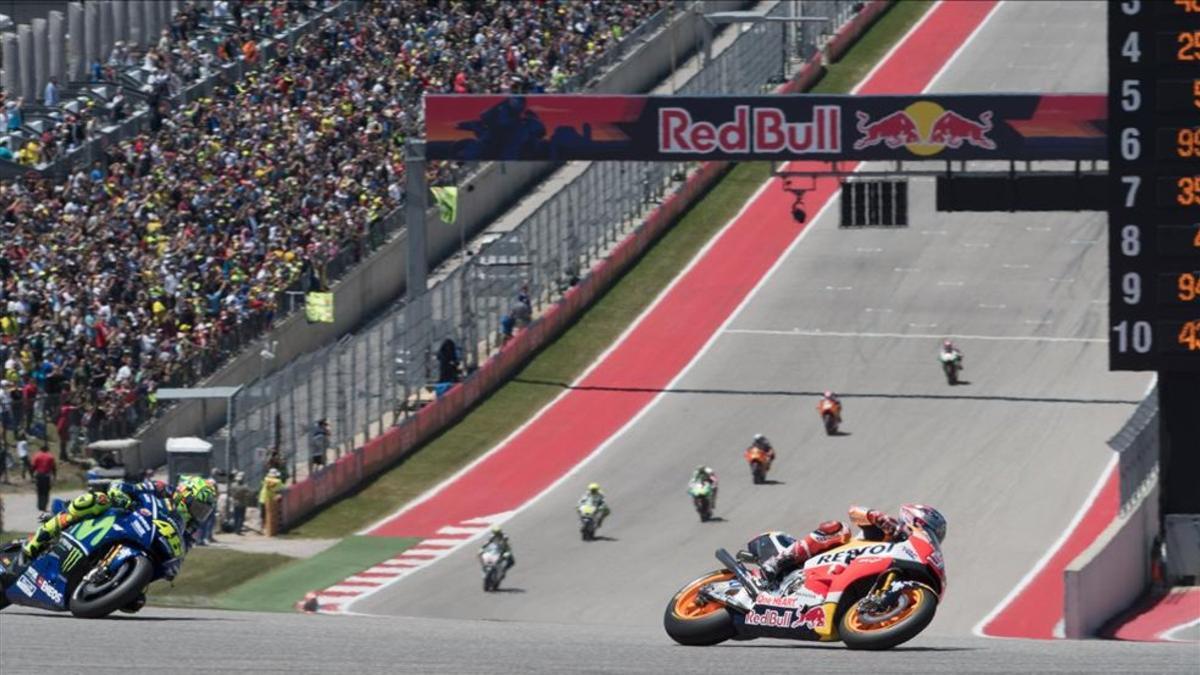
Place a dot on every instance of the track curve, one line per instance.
(1010, 457)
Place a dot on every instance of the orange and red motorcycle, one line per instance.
(760, 461)
(830, 412)
(867, 594)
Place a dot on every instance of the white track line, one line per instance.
(1166, 634)
(658, 299)
(912, 336)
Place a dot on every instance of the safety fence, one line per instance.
(1137, 445)
(550, 267)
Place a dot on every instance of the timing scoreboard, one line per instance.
(1154, 184)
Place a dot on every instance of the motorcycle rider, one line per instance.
(832, 398)
(499, 538)
(763, 444)
(705, 474)
(875, 525)
(948, 348)
(191, 501)
(595, 497)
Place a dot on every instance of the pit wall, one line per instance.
(1111, 574)
(300, 500)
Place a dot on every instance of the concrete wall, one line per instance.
(1113, 572)
(1181, 531)
(380, 280)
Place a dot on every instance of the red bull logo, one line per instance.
(925, 128)
(810, 619)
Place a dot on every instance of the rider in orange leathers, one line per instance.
(875, 525)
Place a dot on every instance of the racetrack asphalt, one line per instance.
(1009, 457)
(161, 640)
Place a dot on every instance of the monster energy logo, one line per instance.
(72, 559)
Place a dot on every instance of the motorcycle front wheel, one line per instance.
(831, 425)
(691, 620)
(875, 629)
(93, 600)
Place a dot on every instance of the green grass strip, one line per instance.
(208, 572)
(279, 589)
(566, 358)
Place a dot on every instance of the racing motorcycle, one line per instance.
(760, 463)
(702, 494)
(99, 565)
(867, 594)
(831, 415)
(589, 520)
(492, 561)
(951, 364)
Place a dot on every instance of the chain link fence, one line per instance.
(382, 374)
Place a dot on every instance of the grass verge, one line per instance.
(565, 359)
(279, 589)
(208, 572)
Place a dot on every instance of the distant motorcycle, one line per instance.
(702, 498)
(491, 559)
(831, 415)
(760, 463)
(951, 364)
(99, 565)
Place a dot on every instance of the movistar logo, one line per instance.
(94, 529)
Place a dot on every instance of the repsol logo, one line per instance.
(848, 554)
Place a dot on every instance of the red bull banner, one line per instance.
(798, 126)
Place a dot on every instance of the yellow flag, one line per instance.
(318, 307)
(446, 199)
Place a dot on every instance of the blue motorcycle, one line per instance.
(99, 565)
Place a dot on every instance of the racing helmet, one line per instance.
(947, 345)
(828, 394)
(759, 439)
(593, 488)
(194, 499)
(496, 531)
(925, 518)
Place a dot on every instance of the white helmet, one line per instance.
(925, 518)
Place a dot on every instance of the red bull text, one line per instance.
(759, 130)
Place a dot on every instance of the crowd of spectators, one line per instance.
(189, 50)
(148, 267)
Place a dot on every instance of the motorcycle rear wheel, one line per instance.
(691, 623)
(490, 581)
(860, 630)
(759, 471)
(131, 578)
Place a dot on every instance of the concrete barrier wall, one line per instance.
(380, 279)
(344, 476)
(1113, 572)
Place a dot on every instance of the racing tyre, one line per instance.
(831, 425)
(913, 611)
(760, 473)
(492, 580)
(951, 374)
(588, 530)
(691, 621)
(92, 601)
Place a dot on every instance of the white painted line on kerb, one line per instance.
(570, 474)
(1171, 633)
(912, 336)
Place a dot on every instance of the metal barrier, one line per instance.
(381, 376)
(1137, 446)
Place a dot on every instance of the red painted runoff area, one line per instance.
(671, 335)
(1155, 620)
